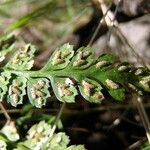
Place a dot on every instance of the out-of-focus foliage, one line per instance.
(47, 21)
(145, 146)
(39, 136)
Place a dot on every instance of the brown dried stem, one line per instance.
(137, 99)
(5, 112)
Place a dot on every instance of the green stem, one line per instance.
(76, 74)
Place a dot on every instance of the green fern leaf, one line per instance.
(91, 90)
(38, 91)
(76, 147)
(17, 91)
(144, 83)
(60, 58)
(23, 59)
(69, 71)
(10, 131)
(4, 81)
(64, 89)
(83, 58)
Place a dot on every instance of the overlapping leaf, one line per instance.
(38, 137)
(10, 131)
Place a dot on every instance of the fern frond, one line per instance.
(69, 72)
(38, 137)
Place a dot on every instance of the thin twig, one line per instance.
(98, 28)
(5, 112)
(144, 118)
(52, 130)
(125, 40)
(111, 17)
(136, 145)
(74, 112)
(114, 18)
(57, 119)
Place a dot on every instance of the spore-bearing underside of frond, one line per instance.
(68, 72)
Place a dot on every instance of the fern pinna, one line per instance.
(69, 72)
